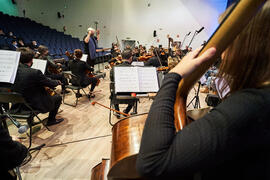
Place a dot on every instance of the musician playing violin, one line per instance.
(233, 140)
(126, 61)
(30, 83)
(52, 69)
(154, 60)
(79, 69)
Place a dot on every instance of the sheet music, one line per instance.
(137, 63)
(148, 81)
(126, 79)
(135, 79)
(39, 64)
(84, 57)
(9, 61)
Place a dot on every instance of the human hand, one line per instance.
(190, 62)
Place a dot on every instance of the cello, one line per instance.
(123, 157)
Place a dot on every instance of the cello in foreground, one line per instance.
(124, 146)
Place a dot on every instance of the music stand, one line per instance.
(196, 98)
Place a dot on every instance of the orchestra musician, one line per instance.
(52, 69)
(12, 153)
(154, 60)
(91, 45)
(136, 52)
(31, 84)
(230, 142)
(126, 61)
(79, 68)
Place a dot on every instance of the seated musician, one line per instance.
(31, 84)
(12, 153)
(126, 61)
(230, 142)
(154, 60)
(52, 69)
(80, 68)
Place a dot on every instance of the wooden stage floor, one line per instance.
(76, 145)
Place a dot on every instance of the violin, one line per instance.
(144, 58)
(50, 91)
(91, 75)
(116, 60)
(54, 70)
(69, 55)
(162, 68)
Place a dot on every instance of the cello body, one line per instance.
(100, 171)
(126, 139)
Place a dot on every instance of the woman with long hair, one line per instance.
(233, 140)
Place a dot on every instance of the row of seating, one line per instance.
(29, 30)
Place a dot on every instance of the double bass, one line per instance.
(127, 132)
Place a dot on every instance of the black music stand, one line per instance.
(196, 98)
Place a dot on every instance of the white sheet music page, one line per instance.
(39, 64)
(84, 57)
(137, 63)
(148, 80)
(9, 61)
(126, 79)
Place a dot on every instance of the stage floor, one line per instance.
(79, 143)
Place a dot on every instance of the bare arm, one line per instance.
(86, 40)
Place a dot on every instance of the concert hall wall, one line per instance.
(133, 19)
(7, 7)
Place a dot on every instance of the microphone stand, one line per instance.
(184, 39)
(195, 33)
(29, 121)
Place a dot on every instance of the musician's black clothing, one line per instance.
(49, 74)
(86, 47)
(30, 83)
(92, 47)
(231, 142)
(153, 61)
(79, 69)
(12, 153)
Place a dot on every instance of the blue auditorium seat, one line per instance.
(30, 30)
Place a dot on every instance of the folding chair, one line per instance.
(16, 98)
(69, 76)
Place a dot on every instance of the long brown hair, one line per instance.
(246, 62)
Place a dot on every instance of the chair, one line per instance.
(71, 77)
(16, 98)
(29, 114)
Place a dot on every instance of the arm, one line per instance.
(44, 81)
(52, 64)
(87, 38)
(102, 50)
(203, 144)
(12, 153)
(98, 35)
(88, 67)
